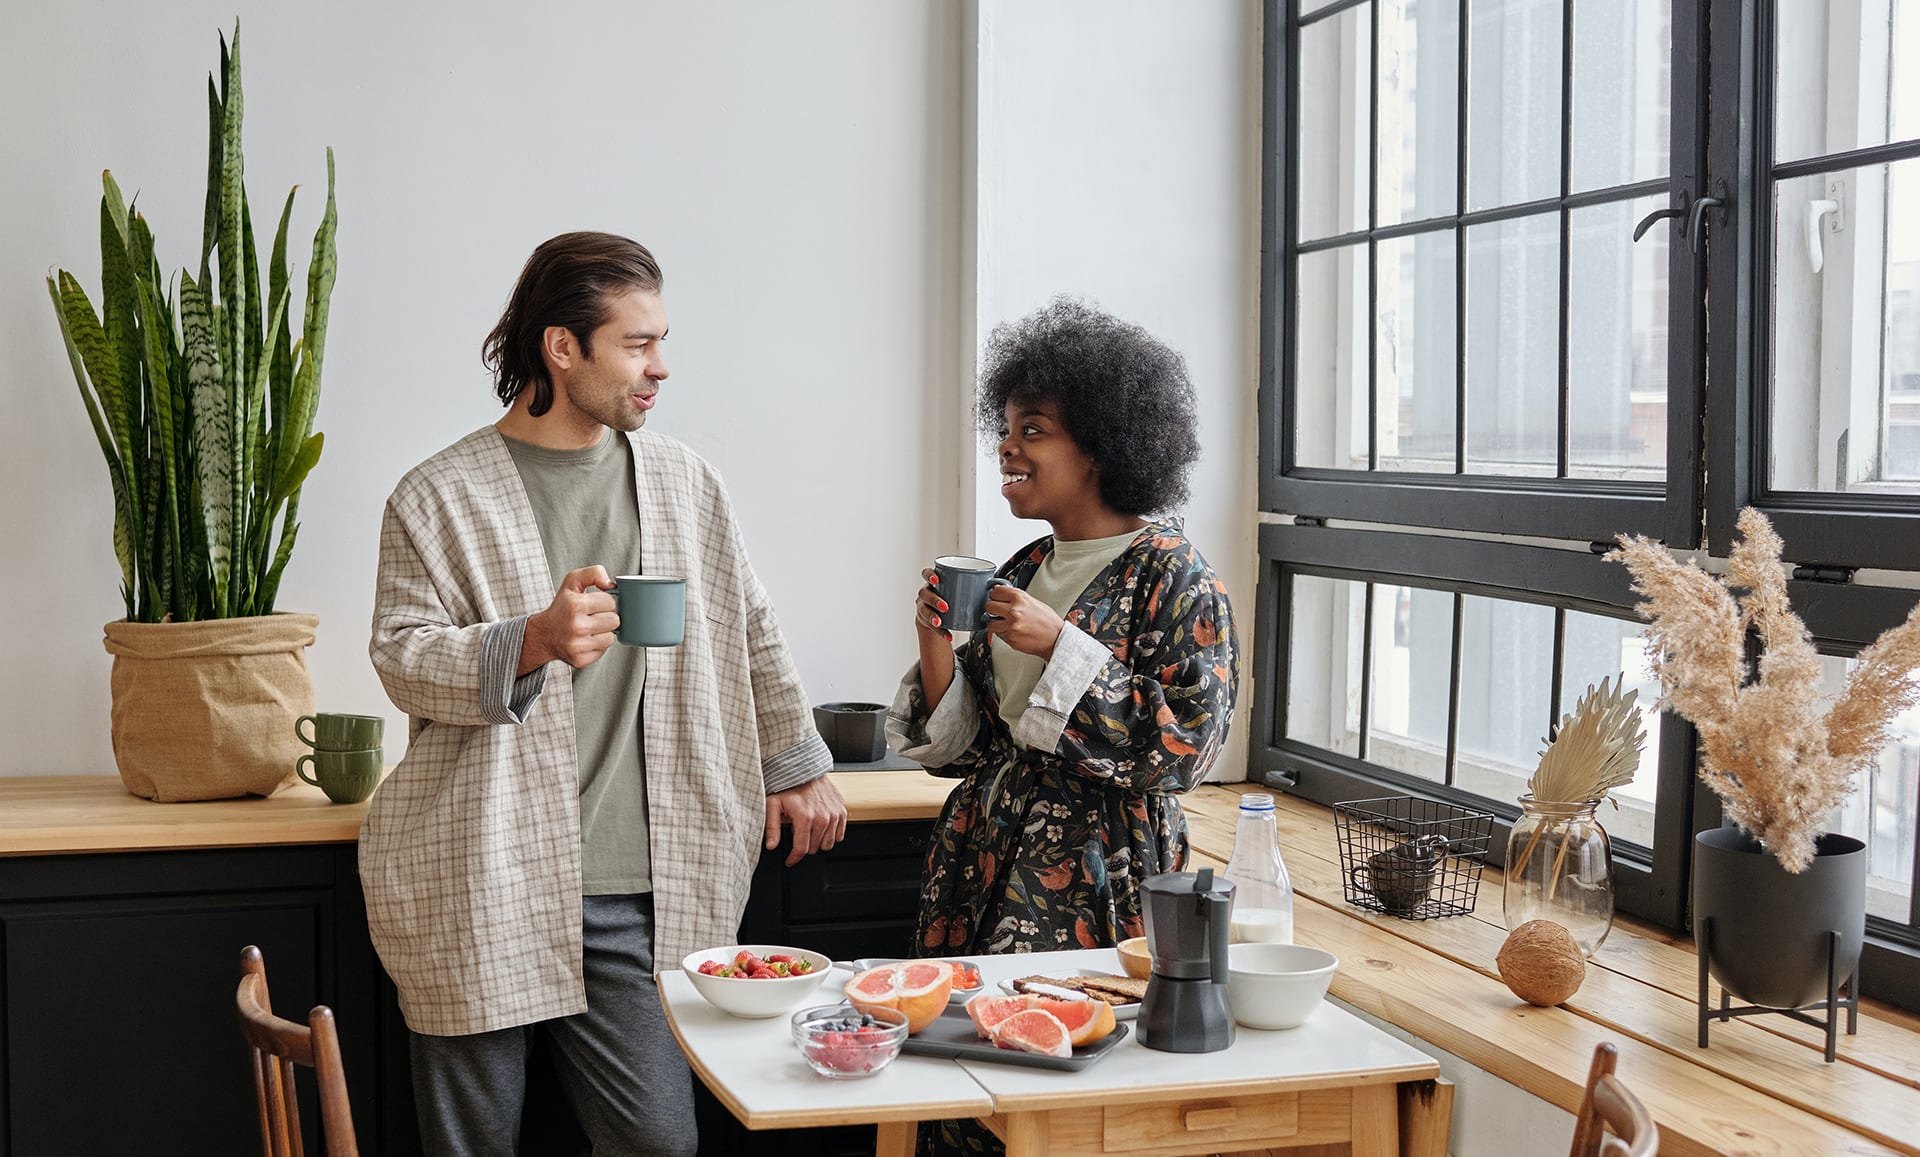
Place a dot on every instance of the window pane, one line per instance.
(1617, 344)
(1419, 109)
(1846, 75)
(1323, 668)
(1411, 637)
(1883, 808)
(1414, 339)
(1334, 151)
(1513, 102)
(1846, 337)
(1330, 359)
(1506, 688)
(1597, 648)
(1513, 346)
(1622, 86)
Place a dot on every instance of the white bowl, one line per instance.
(746, 997)
(1277, 985)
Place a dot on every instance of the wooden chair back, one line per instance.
(1608, 1105)
(277, 1046)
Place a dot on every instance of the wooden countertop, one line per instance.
(54, 814)
(1761, 1088)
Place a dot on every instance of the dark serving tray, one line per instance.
(953, 1035)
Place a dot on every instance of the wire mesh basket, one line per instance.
(1412, 858)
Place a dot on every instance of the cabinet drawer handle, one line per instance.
(1208, 1117)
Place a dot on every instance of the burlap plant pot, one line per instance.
(206, 710)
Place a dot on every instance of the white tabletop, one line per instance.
(1334, 1048)
(753, 1066)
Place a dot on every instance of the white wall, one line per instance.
(806, 175)
(1117, 152)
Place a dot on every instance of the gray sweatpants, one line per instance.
(625, 1076)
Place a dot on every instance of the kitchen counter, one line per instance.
(57, 814)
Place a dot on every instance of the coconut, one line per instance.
(1542, 963)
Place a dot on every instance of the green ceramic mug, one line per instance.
(340, 732)
(346, 776)
(653, 610)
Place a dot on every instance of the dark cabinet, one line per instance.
(117, 980)
(857, 900)
(118, 971)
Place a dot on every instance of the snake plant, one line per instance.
(201, 399)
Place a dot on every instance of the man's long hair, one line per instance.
(569, 281)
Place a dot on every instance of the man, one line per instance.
(572, 812)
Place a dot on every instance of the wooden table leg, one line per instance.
(1376, 1121)
(1027, 1134)
(1426, 1117)
(896, 1139)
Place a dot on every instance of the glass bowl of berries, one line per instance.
(756, 980)
(841, 1041)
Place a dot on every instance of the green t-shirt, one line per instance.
(584, 503)
(1063, 576)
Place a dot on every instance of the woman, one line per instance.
(1105, 685)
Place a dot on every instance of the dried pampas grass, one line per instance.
(1779, 762)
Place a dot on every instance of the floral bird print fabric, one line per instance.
(1044, 850)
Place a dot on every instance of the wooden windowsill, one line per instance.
(1761, 1088)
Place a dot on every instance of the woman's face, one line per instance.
(1043, 472)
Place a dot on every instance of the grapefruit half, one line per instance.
(1034, 1030)
(918, 988)
(987, 1011)
(1087, 1020)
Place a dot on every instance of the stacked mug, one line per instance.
(346, 754)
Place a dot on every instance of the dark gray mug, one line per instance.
(964, 582)
(652, 608)
(855, 732)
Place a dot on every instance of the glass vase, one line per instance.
(1560, 868)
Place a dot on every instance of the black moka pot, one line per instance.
(1186, 1008)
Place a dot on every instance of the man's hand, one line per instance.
(577, 627)
(1022, 621)
(817, 813)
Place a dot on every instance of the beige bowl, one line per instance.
(1134, 960)
(1277, 985)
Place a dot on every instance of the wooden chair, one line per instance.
(277, 1045)
(1608, 1105)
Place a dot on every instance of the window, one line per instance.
(1526, 287)
(1437, 361)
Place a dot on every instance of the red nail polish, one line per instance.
(935, 580)
(943, 605)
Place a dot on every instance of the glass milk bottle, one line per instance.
(1263, 895)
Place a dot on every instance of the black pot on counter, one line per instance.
(855, 732)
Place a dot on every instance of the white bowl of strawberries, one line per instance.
(756, 980)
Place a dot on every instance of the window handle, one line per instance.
(1700, 208)
(1690, 225)
(1647, 222)
(1818, 209)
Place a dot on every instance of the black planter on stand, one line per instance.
(1787, 942)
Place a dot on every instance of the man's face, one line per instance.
(617, 385)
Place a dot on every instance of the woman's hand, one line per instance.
(1022, 621)
(929, 607)
(936, 649)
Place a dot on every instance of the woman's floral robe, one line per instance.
(1041, 850)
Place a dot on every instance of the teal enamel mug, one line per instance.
(652, 609)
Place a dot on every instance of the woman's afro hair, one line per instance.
(1124, 395)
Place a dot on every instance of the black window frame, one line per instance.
(1555, 507)
(1717, 454)
(1851, 530)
